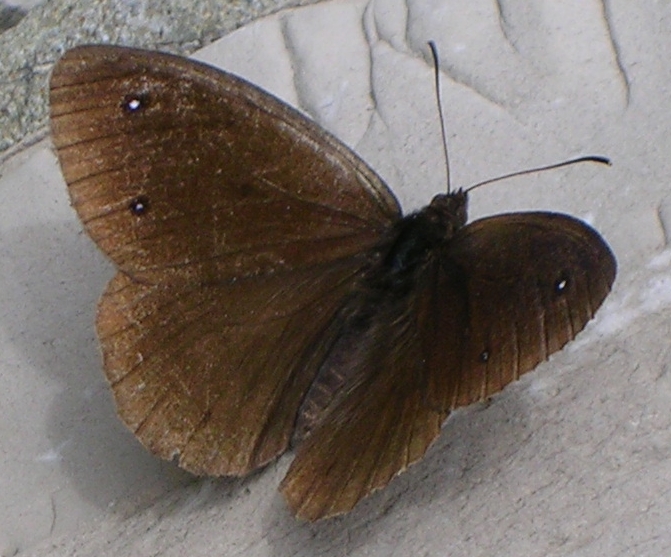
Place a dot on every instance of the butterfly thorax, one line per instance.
(416, 235)
(382, 298)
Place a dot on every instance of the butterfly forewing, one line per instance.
(182, 172)
(509, 291)
(236, 241)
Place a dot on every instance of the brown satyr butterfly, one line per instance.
(269, 292)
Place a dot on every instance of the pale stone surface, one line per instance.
(575, 459)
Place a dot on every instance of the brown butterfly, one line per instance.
(270, 293)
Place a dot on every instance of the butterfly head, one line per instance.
(448, 212)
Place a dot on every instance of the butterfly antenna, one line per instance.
(439, 102)
(589, 158)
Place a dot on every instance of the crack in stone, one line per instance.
(503, 25)
(617, 50)
(660, 212)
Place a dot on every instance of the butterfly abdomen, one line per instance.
(377, 317)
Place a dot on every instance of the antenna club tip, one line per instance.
(588, 158)
(600, 159)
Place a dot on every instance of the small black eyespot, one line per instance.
(562, 284)
(484, 356)
(135, 102)
(139, 206)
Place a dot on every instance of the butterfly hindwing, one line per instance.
(214, 375)
(376, 424)
(477, 318)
